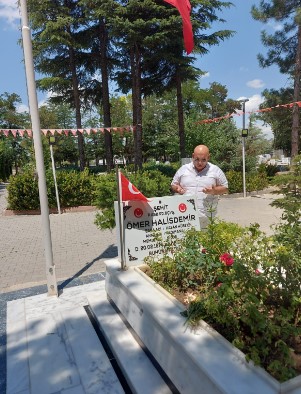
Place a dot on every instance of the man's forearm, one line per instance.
(218, 190)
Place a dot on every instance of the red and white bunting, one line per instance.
(24, 132)
(17, 132)
(290, 105)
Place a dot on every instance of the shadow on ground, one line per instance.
(109, 253)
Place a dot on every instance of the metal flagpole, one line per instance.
(243, 101)
(120, 216)
(36, 129)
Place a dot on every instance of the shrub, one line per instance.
(74, 188)
(83, 188)
(105, 195)
(289, 189)
(165, 169)
(23, 191)
(97, 169)
(254, 181)
(269, 169)
(235, 181)
(150, 183)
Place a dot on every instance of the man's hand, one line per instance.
(209, 190)
(215, 190)
(178, 189)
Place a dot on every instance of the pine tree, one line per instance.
(284, 49)
(58, 53)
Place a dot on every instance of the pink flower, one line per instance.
(227, 259)
(218, 285)
(257, 272)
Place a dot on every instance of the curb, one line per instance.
(268, 190)
(83, 208)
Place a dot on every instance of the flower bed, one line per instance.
(233, 278)
(196, 360)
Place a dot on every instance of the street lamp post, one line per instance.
(52, 141)
(244, 135)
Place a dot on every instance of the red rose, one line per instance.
(227, 259)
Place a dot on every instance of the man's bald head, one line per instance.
(201, 149)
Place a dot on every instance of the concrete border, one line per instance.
(196, 361)
(81, 208)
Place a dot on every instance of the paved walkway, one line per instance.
(79, 247)
(252, 209)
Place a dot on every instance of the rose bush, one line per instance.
(249, 292)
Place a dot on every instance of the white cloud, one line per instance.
(275, 26)
(253, 102)
(266, 130)
(10, 12)
(205, 75)
(256, 84)
(251, 105)
(22, 108)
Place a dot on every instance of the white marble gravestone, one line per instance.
(140, 220)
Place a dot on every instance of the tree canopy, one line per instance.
(284, 49)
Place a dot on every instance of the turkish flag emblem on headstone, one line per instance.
(129, 191)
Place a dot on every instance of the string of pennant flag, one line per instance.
(212, 120)
(47, 132)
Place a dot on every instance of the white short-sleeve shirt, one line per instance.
(194, 182)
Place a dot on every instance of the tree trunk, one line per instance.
(78, 119)
(296, 111)
(134, 105)
(180, 115)
(137, 104)
(106, 95)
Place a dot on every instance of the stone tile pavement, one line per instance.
(79, 247)
(255, 208)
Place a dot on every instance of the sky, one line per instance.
(233, 63)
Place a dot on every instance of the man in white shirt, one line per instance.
(202, 179)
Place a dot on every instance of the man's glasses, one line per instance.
(200, 160)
